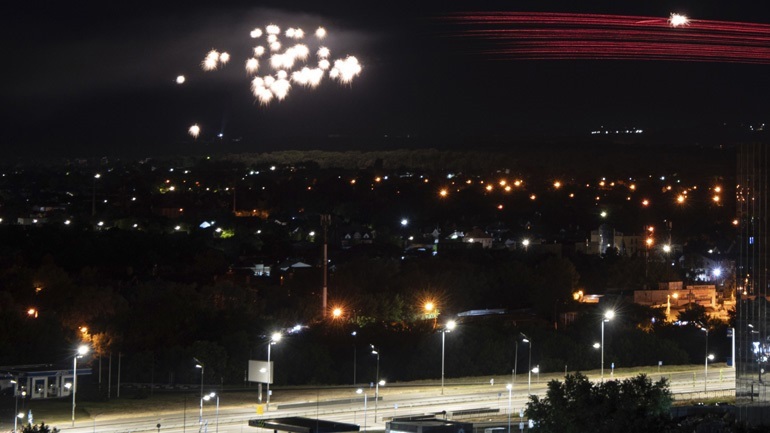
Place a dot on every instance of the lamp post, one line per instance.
(361, 391)
(529, 373)
(608, 315)
(708, 357)
(275, 338)
(377, 385)
(82, 350)
(354, 333)
(201, 366)
(208, 397)
(449, 326)
(93, 196)
(16, 413)
(515, 363)
(510, 396)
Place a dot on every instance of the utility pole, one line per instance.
(325, 221)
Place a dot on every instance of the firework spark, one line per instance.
(289, 66)
(252, 65)
(677, 20)
(194, 131)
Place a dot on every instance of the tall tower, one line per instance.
(752, 327)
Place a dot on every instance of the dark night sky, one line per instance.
(91, 79)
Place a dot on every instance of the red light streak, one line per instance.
(564, 36)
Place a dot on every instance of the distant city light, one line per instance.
(180, 79)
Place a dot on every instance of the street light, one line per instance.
(608, 315)
(275, 338)
(510, 396)
(529, 374)
(447, 328)
(201, 366)
(93, 197)
(361, 391)
(354, 333)
(17, 414)
(208, 397)
(710, 357)
(82, 350)
(377, 386)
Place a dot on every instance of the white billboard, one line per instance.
(258, 371)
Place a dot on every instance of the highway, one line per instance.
(344, 405)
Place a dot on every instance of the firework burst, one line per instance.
(288, 62)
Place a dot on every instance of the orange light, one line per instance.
(32, 312)
(532, 197)
(557, 184)
(507, 188)
(717, 189)
(715, 199)
(489, 188)
(352, 181)
(735, 222)
(337, 313)
(645, 202)
(503, 183)
(649, 242)
(429, 306)
(443, 193)
(517, 183)
(680, 199)
(500, 207)
(632, 187)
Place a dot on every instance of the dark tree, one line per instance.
(578, 405)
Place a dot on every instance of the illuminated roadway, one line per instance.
(344, 405)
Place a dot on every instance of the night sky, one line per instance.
(93, 79)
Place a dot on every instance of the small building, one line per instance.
(40, 382)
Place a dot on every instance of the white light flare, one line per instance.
(320, 33)
(180, 79)
(194, 131)
(678, 20)
(252, 65)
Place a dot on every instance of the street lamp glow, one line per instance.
(404, 222)
(666, 248)
(597, 345)
(429, 306)
(81, 351)
(717, 272)
(608, 315)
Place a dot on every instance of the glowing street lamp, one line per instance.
(82, 350)
(709, 357)
(379, 382)
(275, 338)
(201, 366)
(361, 391)
(509, 387)
(208, 397)
(529, 367)
(449, 327)
(608, 315)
